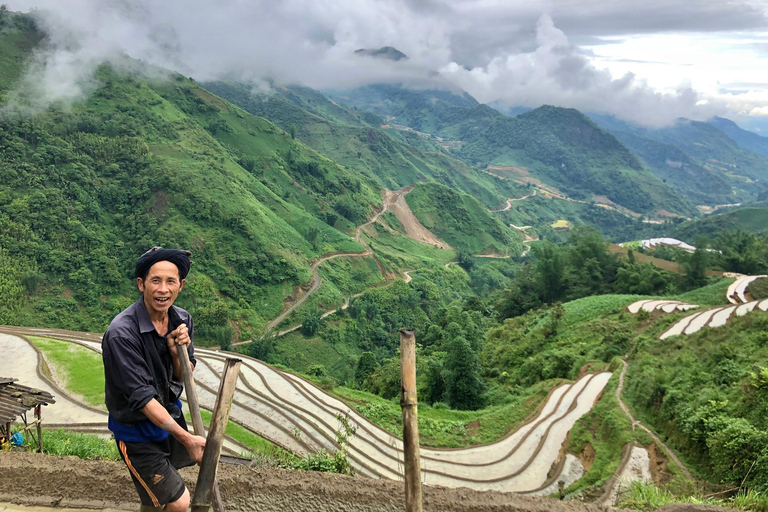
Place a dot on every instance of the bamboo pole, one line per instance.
(206, 478)
(194, 412)
(38, 415)
(409, 406)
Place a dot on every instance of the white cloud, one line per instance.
(511, 56)
(559, 73)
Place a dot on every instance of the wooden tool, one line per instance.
(194, 412)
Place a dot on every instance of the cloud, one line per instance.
(558, 73)
(494, 49)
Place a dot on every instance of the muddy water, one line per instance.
(19, 360)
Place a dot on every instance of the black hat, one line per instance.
(178, 257)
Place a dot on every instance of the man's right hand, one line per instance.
(195, 445)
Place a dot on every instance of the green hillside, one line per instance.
(753, 219)
(393, 158)
(563, 148)
(698, 159)
(461, 221)
(425, 109)
(560, 147)
(144, 162)
(744, 138)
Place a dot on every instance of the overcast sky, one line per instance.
(648, 61)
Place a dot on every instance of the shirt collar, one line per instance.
(145, 323)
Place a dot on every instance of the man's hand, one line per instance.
(179, 336)
(195, 445)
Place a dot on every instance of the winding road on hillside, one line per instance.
(394, 201)
(301, 417)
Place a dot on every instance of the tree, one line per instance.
(311, 322)
(550, 270)
(464, 385)
(261, 347)
(696, 266)
(366, 365)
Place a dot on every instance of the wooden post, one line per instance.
(409, 405)
(210, 464)
(194, 413)
(38, 415)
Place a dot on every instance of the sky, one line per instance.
(645, 61)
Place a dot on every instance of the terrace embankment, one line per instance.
(47, 481)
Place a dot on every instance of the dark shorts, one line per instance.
(153, 468)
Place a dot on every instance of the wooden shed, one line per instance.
(16, 401)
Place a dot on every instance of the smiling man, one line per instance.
(144, 382)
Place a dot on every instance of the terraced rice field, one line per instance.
(737, 290)
(299, 416)
(717, 316)
(665, 305)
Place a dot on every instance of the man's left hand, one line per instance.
(179, 336)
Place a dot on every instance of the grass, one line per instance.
(80, 369)
(264, 450)
(85, 446)
(606, 429)
(711, 295)
(447, 428)
(641, 496)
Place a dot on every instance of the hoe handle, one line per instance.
(194, 412)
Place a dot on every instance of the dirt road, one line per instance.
(40, 480)
(394, 201)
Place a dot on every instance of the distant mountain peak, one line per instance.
(385, 52)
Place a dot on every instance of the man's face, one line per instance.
(161, 286)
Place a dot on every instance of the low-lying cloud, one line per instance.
(494, 51)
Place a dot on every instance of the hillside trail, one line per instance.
(394, 201)
(635, 423)
(511, 200)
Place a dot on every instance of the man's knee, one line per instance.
(180, 505)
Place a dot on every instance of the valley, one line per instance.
(556, 369)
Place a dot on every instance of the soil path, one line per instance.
(393, 201)
(411, 225)
(511, 200)
(47, 481)
(636, 423)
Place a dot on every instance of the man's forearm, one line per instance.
(160, 417)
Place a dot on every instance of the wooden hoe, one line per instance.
(207, 488)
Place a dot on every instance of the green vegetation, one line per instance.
(708, 397)
(85, 446)
(758, 289)
(698, 159)
(392, 158)
(174, 166)
(80, 370)
(649, 497)
(461, 221)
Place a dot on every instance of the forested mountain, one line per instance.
(560, 147)
(148, 161)
(744, 138)
(393, 158)
(699, 159)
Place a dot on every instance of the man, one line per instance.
(144, 382)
